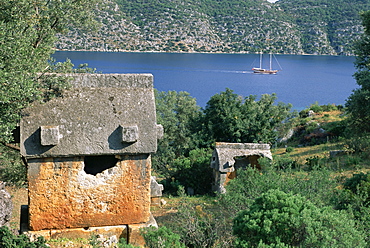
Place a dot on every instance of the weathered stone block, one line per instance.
(75, 233)
(88, 153)
(6, 206)
(228, 157)
(90, 118)
(49, 135)
(62, 195)
(155, 188)
(130, 134)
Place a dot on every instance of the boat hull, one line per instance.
(264, 71)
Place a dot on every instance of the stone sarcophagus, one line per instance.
(88, 153)
(227, 158)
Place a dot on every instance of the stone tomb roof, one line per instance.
(101, 114)
(224, 154)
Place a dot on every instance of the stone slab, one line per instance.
(104, 114)
(77, 233)
(62, 195)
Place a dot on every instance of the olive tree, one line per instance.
(28, 31)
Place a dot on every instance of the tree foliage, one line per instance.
(286, 220)
(176, 112)
(358, 103)
(28, 30)
(230, 118)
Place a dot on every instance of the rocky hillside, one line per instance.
(287, 26)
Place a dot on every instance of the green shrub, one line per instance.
(278, 219)
(316, 185)
(284, 162)
(311, 126)
(202, 225)
(12, 169)
(289, 149)
(336, 128)
(358, 144)
(355, 198)
(303, 113)
(316, 108)
(10, 240)
(315, 163)
(358, 182)
(192, 171)
(330, 107)
(161, 238)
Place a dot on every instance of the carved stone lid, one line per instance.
(102, 114)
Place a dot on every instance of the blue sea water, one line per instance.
(302, 81)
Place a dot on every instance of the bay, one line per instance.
(303, 80)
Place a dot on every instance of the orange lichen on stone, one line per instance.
(62, 195)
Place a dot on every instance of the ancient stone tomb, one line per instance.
(88, 154)
(227, 158)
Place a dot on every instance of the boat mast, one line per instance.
(261, 60)
(270, 61)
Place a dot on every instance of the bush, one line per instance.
(358, 182)
(198, 226)
(316, 108)
(192, 171)
(317, 186)
(336, 128)
(330, 107)
(314, 163)
(356, 198)
(359, 144)
(289, 149)
(12, 169)
(10, 240)
(284, 162)
(161, 238)
(283, 220)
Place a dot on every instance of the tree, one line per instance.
(230, 118)
(28, 31)
(358, 103)
(277, 219)
(176, 112)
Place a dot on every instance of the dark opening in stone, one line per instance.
(247, 161)
(98, 164)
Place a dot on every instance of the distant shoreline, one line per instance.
(177, 52)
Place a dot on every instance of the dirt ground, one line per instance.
(19, 197)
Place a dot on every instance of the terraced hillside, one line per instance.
(287, 26)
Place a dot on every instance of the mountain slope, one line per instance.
(287, 26)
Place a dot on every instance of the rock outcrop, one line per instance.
(6, 206)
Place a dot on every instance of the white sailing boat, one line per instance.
(261, 70)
